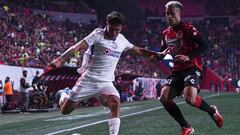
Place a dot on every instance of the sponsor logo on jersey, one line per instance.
(112, 53)
(174, 42)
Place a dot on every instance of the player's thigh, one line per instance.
(169, 90)
(108, 89)
(82, 92)
(109, 96)
(191, 85)
(190, 94)
(111, 101)
(168, 93)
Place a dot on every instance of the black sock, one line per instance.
(202, 105)
(175, 112)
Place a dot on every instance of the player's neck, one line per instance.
(107, 36)
(177, 24)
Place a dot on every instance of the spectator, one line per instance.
(139, 92)
(36, 78)
(8, 90)
(24, 91)
(158, 88)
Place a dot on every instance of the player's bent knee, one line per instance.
(165, 94)
(65, 112)
(190, 100)
(113, 102)
(114, 105)
(163, 99)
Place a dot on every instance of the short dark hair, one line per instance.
(115, 18)
(174, 4)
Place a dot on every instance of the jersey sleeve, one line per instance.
(163, 42)
(127, 44)
(93, 37)
(197, 38)
(194, 33)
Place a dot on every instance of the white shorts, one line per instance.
(86, 90)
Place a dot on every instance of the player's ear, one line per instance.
(180, 12)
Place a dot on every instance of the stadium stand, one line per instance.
(33, 40)
(156, 8)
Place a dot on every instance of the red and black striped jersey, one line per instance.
(181, 40)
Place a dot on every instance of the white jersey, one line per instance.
(85, 60)
(105, 54)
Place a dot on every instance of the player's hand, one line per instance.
(181, 58)
(157, 56)
(55, 63)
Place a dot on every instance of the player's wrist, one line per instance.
(160, 56)
(60, 59)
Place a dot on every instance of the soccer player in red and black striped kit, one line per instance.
(185, 44)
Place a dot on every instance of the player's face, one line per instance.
(114, 30)
(173, 16)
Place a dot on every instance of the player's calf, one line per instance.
(113, 102)
(68, 106)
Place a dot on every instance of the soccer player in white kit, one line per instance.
(105, 46)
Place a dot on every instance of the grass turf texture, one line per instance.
(154, 122)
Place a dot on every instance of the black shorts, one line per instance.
(187, 77)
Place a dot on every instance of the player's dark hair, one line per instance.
(115, 18)
(174, 4)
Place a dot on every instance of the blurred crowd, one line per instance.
(221, 8)
(194, 7)
(33, 40)
(73, 6)
(223, 55)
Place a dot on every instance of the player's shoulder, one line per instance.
(121, 35)
(168, 29)
(190, 26)
(98, 31)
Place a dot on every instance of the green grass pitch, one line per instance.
(138, 118)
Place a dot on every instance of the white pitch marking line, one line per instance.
(106, 120)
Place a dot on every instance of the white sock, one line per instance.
(63, 96)
(114, 125)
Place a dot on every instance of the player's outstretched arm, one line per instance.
(147, 53)
(202, 47)
(69, 52)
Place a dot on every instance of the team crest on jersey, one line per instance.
(179, 34)
(114, 45)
